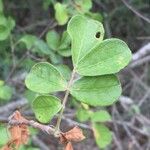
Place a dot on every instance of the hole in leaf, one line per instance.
(98, 34)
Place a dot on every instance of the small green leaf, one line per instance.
(28, 40)
(6, 25)
(52, 38)
(61, 13)
(82, 115)
(92, 56)
(102, 134)
(97, 91)
(100, 116)
(45, 78)
(45, 107)
(64, 48)
(5, 92)
(65, 71)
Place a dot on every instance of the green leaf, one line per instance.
(45, 107)
(64, 48)
(45, 78)
(100, 116)
(52, 38)
(65, 71)
(83, 43)
(83, 115)
(41, 47)
(91, 55)
(109, 57)
(61, 13)
(28, 40)
(6, 25)
(5, 92)
(102, 134)
(97, 91)
(4, 136)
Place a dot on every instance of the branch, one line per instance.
(135, 11)
(45, 128)
(141, 52)
(13, 105)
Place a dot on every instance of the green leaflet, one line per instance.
(97, 91)
(83, 35)
(65, 71)
(109, 57)
(6, 25)
(100, 116)
(92, 56)
(61, 13)
(45, 107)
(102, 135)
(5, 91)
(83, 114)
(53, 39)
(45, 78)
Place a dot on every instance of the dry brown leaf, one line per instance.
(69, 146)
(19, 133)
(74, 135)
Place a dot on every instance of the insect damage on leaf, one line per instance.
(73, 135)
(19, 133)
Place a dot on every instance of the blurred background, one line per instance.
(32, 31)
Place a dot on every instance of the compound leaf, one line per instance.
(97, 91)
(45, 78)
(92, 56)
(45, 107)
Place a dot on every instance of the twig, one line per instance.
(64, 101)
(72, 122)
(45, 128)
(27, 52)
(135, 11)
(13, 105)
(126, 128)
(140, 62)
(141, 52)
